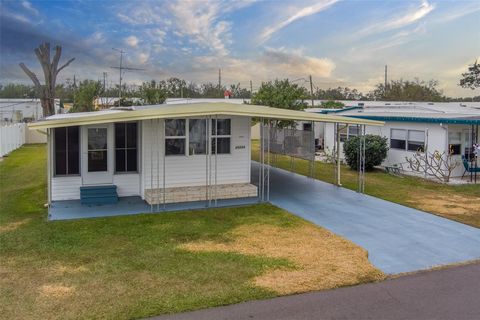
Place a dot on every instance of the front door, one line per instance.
(97, 154)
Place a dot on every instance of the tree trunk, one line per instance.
(46, 92)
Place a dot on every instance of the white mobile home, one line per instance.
(163, 154)
(412, 127)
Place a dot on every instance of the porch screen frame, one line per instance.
(67, 152)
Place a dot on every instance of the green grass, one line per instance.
(118, 267)
(458, 202)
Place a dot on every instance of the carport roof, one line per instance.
(190, 110)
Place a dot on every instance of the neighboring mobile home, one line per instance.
(163, 154)
(412, 127)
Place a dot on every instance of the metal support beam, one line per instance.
(337, 160)
(361, 159)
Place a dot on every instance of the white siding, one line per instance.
(66, 188)
(191, 170)
(127, 184)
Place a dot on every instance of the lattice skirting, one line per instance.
(187, 194)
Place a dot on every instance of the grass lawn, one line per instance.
(460, 203)
(143, 265)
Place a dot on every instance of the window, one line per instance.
(126, 147)
(221, 131)
(307, 127)
(455, 142)
(67, 151)
(175, 138)
(347, 131)
(97, 150)
(409, 140)
(197, 131)
(343, 131)
(398, 139)
(416, 140)
(353, 131)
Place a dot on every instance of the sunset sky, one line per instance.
(340, 43)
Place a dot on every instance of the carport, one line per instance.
(399, 239)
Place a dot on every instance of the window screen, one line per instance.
(67, 150)
(197, 132)
(175, 138)
(126, 154)
(221, 130)
(416, 140)
(398, 139)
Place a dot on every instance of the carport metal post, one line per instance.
(361, 159)
(337, 169)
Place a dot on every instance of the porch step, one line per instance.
(105, 194)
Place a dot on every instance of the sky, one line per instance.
(339, 43)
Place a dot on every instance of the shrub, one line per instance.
(376, 149)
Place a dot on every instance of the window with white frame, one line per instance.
(348, 131)
(409, 140)
(67, 151)
(416, 140)
(455, 142)
(398, 139)
(221, 136)
(175, 137)
(197, 136)
(126, 147)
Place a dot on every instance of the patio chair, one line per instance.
(468, 167)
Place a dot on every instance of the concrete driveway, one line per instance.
(398, 239)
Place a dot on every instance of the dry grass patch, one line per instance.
(12, 226)
(322, 259)
(462, 208)
(56, 291)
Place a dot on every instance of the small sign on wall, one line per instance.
(239, 147)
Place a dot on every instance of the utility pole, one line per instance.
(120, 69)
(104, 82)
(311, 90)
(251, 89)
(219, 79)
(386, 67)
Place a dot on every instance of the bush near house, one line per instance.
(376, 149)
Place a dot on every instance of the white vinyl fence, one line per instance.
(12, 136)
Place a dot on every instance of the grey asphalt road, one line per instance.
(452, 293)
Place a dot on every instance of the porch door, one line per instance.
(97, 157)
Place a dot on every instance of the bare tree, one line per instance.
(438, 165)
(46, 92)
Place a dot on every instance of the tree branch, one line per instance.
(65, 65)
(31, 75)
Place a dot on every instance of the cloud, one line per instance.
(132, 41)
(143, 57)
(272, 63)
(28, 6)
(404, 20)
(300, 13)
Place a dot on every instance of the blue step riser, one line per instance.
(98, 201)
(98, 195)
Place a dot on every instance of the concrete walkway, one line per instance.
(445, 294)
(398, 239)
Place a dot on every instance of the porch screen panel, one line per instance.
(455, 142)
(291, 142)
(175, 137)
(221, 134)
(67, 151)
(126, 151)
(197, 133)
